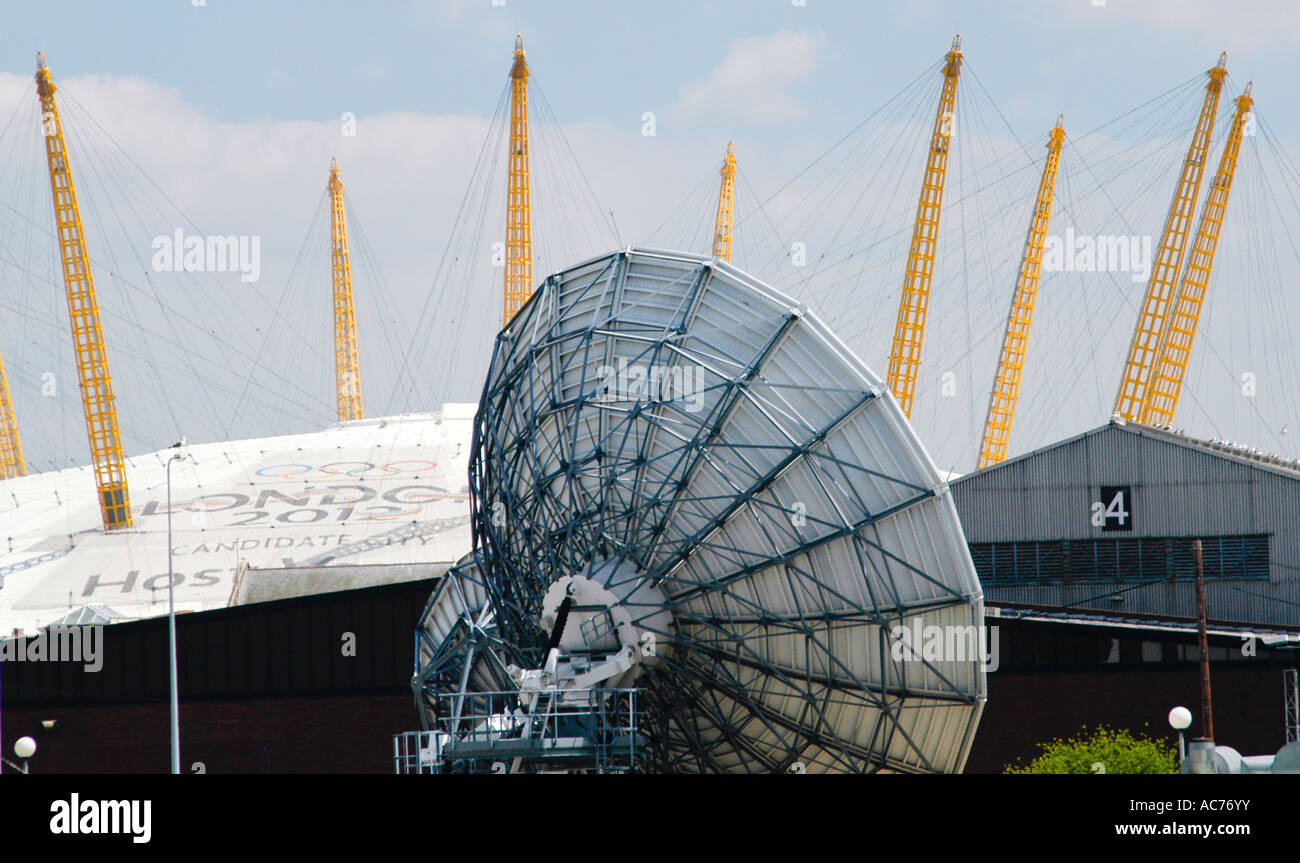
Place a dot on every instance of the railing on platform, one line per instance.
(560, 730)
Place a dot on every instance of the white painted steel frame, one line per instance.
(784, 506)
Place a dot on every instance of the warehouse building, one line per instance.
(1105, 521)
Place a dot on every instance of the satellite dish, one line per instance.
(706, 540)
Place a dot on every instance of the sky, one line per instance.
(222, 117)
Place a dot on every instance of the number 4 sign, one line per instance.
(1115, 509)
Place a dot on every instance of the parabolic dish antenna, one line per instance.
(706, 540)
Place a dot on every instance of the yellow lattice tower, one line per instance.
(1180, 329)
(519, 238)
(1143, 351)
(726, 195)
(1015, 338)
(905, 354)
(83, 313)
(347, 364)
(11, 450)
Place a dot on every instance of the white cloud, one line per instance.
(753, 84)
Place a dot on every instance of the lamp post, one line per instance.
(25, 748)
(1180, 718)
(171, 619)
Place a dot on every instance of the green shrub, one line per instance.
(1103, 750)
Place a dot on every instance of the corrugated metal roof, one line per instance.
(1232, 450)
(267, 585)
(375, 491)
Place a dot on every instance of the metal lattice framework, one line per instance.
(347, 364)
(83, 313)
(1291, 704)
(1185, 311)
(672, 414)
(519, 236)
(1144, 349)
(1015, 337)
(726, 201)
(909, 330)
(11, 448)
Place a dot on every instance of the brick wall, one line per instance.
(341, 734)
(1027, 708)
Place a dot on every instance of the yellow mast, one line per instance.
(726, 195)
(1143, 352)
(11, 451)
(83, 313)
(1015, 339)
(519, 238)
(905, 354)
(1180, 329)
(347, 365)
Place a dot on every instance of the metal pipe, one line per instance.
(173, 697)
(1202, 638)
(1291, 703)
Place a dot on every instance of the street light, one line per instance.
(1180, 718)
(171, 616)
(25, 748)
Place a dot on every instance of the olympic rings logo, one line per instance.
(356, 469)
